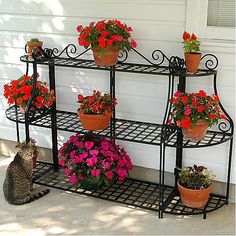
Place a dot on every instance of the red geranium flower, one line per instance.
(186, 36)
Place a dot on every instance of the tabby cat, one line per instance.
(18, 186)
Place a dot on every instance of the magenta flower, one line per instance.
(73, 178)
(62, 162)
(79, 144)
(109, 174)
(106, 165)
(105, 145)
(73, 154)
(83, 155)
(89, 145)
(94, 152)
(67, 171)
(95, 172)
(122, 174)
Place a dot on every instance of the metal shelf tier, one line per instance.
(128, 130)
(131, 192)
(119, 67)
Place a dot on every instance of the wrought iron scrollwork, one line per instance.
(211, 61)
(123, 55)
(159, 57)
(168, 130)
(225, 126)
(176, 64)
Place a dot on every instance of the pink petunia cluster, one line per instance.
(89, 156)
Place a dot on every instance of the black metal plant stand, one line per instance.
(157, 197)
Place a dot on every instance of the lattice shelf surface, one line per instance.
(128, 130)
(137, 193)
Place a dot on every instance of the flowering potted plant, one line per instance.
(19, 91)
(24, 145)
(106, 38)
(195, 112)
(191, 52)
(33, 43)
(95, 111)
(195, 185)
(92, 161)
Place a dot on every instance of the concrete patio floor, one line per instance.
(62, 213)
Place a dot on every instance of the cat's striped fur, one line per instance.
(18, 187)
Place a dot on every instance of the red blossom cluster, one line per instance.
(188, 108)
(96, 103)
(19, 91)
(87, 157)
(110, 33)
(191, 44)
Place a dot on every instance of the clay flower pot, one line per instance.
(108, 59)
(197, 132)
(94, 122)
(32, 45)
(192, 61)
(194, 198)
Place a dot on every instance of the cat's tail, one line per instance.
(30, 198)
(38, 195)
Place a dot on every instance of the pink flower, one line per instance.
(106, 165)
(81, 177)
(62, 162)
(122, 174)
(94, 152)
(121, 163)
(73, 178)
(133, 43)
(89, 145)
(79, 28)
(79, 144)
(67, 171)
(91, 161)
(105, 145)
(91, 24)
(83, 155)
(73, 154)
(109, 174)
(187, 111)
(95, 172)
(177, 94)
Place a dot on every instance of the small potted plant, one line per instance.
(33, 43)
(195, 185)
(195, 112)
(21, 146)
(19, 91)
(106, 38)
(192, 53)
(91, 162)
(95, 111)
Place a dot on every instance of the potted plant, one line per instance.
(90, 161)
(21, 146)
(195, 185)
(191, 52)
(106, 38)
(95, 111)
(19, 91)
(33, 43)
(195, 112)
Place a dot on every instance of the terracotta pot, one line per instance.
(197, 132)
(194, 198)
(32, 45)
(34, 159)
(192, 61)
(108, 59)
(94, 122)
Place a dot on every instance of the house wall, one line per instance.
(157, 24)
